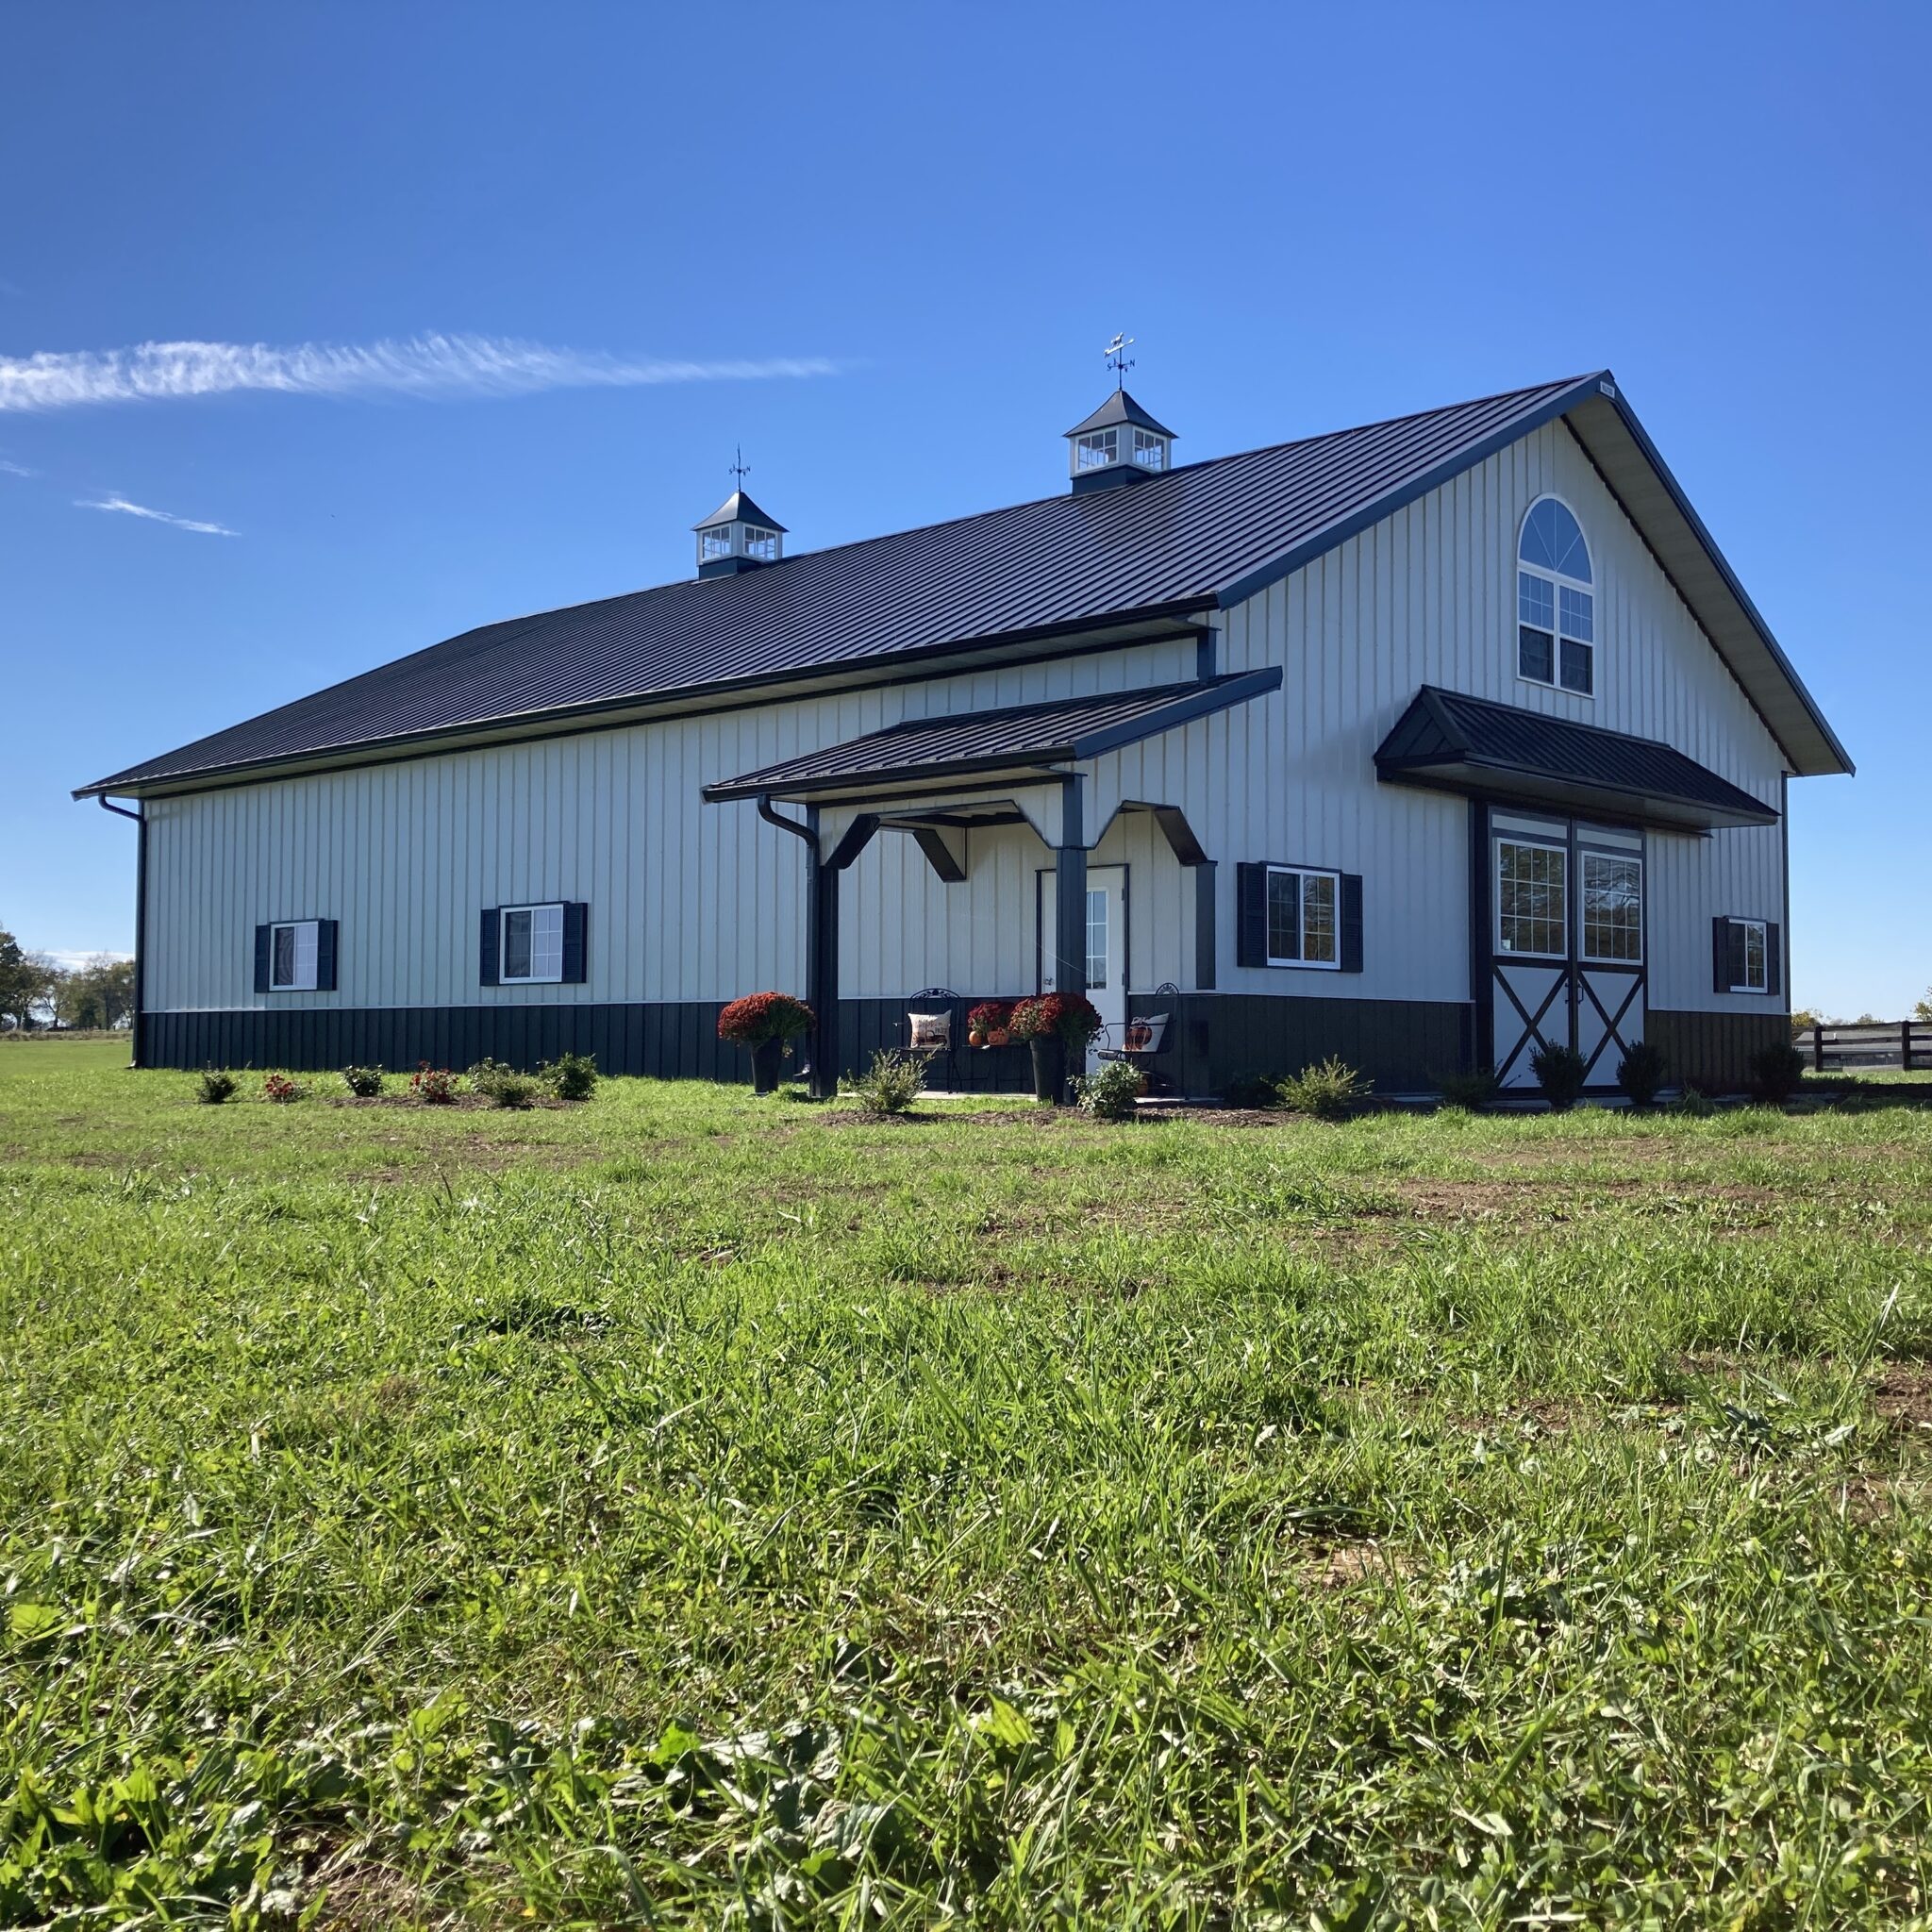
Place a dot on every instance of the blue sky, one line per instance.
(1308, 217)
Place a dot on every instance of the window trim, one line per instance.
(296, 926)
(1097, 449)
(1533, 842)
(1303, 871)
(1763, 930)
(1559, 583)
(504, 978)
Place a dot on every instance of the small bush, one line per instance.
(1328, 1091)
(891, 1083)
(216, 1085)
(1472, 1091)
(365, 1083)
(1559, 1072)
(1640, 1073)
(1110, 1093)
(1253, 1090)
(1778, 1071)
(280, 1088)
(502, 1086)
(433, 1086)
(1694, 1101)
(570, 1076)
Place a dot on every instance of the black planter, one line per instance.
(767, 1057)
(1049, 1069)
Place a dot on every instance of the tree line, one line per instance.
(37, 991)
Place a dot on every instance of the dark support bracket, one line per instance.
(137, 1029)
(939, 854)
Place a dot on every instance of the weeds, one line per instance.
(892, 1083)
(1112, 1093)
(569, 1075)
(364, 1083)
(214, 1086)
(1329, 1089)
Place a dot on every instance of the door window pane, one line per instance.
(1612, 907)
(1531, 899)
(1096, 936)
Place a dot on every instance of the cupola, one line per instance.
(737, 536)
(1119, 443)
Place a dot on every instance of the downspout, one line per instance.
(137, 1022)
(825, 1033)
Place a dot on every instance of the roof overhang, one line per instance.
(1447, 742)
(1020, 745)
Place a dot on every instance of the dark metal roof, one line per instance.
(1022, 738)
(1459, 743)
(1118, 409)
(739, 509)
(1204, 535)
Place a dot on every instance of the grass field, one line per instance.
(684, 1510)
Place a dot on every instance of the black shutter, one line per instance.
(324, 956)
(486, 951)
(1721, 955)
(1351, 922)
(261, 940)
(575, 925)
(1774, 959)
(1251, 915)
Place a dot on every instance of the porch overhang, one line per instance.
(1449, 742)
(984, 751)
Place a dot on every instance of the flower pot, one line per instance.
(766, 1059)
(1049, 1068)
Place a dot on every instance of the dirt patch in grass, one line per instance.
(1902, 1394)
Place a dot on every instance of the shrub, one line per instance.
(502, 1086)
(433, 1086)
(1559, 1072)
(1694, 1101)
(1473, 1090)
(570, 1076)
(1253, 1090)
(1640, 1072)
(763, 1016)
(891, 1083)
(365, 1083)
(280, 1088)
(1778, 1071)
(1066, 1016)
(216, 1085)
(1328, 1090)
(1110, 1093)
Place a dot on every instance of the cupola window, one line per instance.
(737, 536)
(1150, 451)
(1119, 443)
(1096, 449)
(1555, 601)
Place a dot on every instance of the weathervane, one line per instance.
(740, 469)
(1118, 361)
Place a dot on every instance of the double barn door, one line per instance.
(1562, 906)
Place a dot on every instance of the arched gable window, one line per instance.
(1556, 608)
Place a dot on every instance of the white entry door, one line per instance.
(1106, 946)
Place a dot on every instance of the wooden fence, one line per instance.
(1905, 1043)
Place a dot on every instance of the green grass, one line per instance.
(683, 1510)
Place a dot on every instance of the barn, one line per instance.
(1421, 742)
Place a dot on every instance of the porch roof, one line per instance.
(1026, 741)
(1455, 742)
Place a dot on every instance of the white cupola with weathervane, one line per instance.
(1120, 442)
(738, 535)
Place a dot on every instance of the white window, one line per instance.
(1556, 606)
(1150, 451)
(1096, 937)
(1612, 907)
(531, 945)
(1097, 448)
(1750, 956)
(763, 545)
(1303, 927)
(1532, 899)
(714, 543)
(292, 957)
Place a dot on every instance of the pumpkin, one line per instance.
(977, 1038)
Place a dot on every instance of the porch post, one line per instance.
(1070, 894)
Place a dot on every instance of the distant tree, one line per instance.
(1924, 1010)
(25, 979)
(98, 992)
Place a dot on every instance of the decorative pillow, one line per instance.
(1145, 1034)
(931, 1032)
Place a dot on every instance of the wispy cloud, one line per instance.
(13, 469)
(429, 365)
(160, 516)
